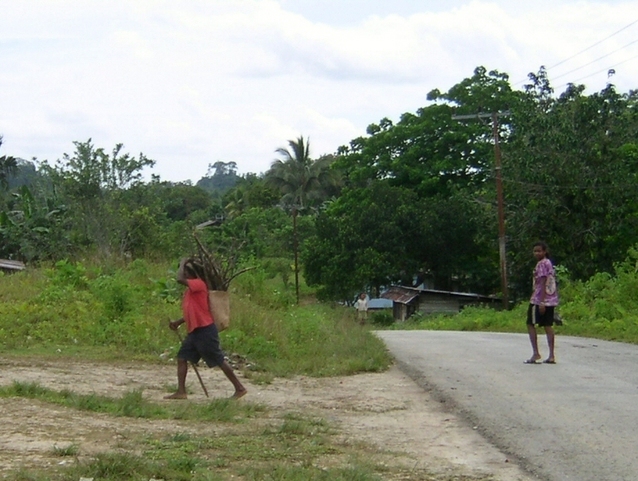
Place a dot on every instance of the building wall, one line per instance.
(438, 304)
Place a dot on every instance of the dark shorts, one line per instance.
(202, 343)
(535, 317)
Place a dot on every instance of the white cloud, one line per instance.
(192, 82)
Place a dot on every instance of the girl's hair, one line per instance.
(542, 245)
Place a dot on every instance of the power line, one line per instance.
(594, 61)
(613, 67)
(585, 50)
(592, 46)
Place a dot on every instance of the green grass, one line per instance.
(110, 313)
(207, 459)
(603, 307)
(133, 404)
(63, 451)
(257, 445)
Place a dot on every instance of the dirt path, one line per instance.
(387, 410)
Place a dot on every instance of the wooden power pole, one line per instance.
(499, 196)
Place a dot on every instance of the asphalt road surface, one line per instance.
(575, 420)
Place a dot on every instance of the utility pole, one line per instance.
(499, 195)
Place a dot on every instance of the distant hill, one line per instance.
(221, 177)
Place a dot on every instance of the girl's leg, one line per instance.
(531, 330)
(549, 331)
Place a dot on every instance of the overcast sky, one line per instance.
(191, 82)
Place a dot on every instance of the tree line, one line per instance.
(411, 201)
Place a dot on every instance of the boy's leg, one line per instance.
(182, 370)
(240, 390)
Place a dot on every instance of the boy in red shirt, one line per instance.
(202, 341)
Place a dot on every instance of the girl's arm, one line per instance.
(542, 281)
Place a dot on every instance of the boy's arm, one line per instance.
(175, 324)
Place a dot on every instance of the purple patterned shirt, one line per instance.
(545, 269)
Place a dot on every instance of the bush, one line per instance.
(382, 318)
(123, 312)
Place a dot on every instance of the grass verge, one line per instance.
(134, 405)
(254, 444)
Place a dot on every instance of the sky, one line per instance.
(192, 82)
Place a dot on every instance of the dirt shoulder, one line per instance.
(387, 410)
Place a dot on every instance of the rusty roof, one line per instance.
(402, 295)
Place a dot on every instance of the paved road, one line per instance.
(575, 420)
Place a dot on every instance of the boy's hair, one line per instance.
(189, 269)
(542, 245)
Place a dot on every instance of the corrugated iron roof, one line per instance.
(12, 265)
(401, 295)
(405, 295)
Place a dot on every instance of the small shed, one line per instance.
(9, 266)
(408, 300)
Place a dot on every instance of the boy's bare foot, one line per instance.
(533, 360)
(177, 395)
(239, 394)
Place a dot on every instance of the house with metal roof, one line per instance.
(408, 300)
(9, 266)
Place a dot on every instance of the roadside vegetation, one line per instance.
(602, 307)
(242, 441)
(109, 312)
(90, 311)
(411, 198)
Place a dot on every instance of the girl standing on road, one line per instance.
(542, 304)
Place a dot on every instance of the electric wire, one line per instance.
(594, 61)
(583, 51)
(592, 46)
(613, 67)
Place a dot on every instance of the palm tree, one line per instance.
(302, 182)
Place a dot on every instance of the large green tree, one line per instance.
(430, 151)
(448, 165)
(367, 238)
(92, 182)
(370, 238)
(570, 168)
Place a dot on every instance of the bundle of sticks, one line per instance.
(215, 270)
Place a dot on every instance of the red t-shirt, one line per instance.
(195, 305)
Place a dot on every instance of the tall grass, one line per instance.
(77, 309)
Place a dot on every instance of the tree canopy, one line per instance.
(412, 195)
